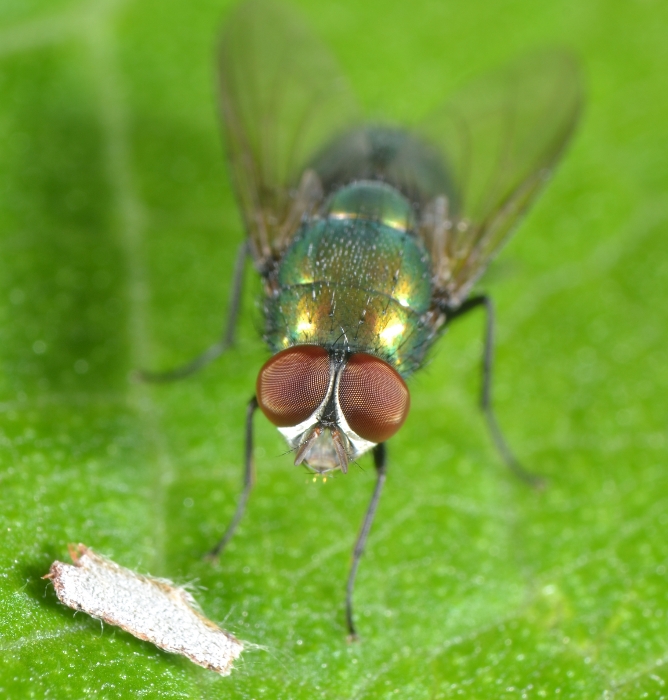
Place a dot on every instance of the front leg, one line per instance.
(380, 462)
(248, 482)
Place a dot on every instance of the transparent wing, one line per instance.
(282, 99)
(500, 138)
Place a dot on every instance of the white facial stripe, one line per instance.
(294, 435)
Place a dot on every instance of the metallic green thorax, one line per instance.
(356, 280)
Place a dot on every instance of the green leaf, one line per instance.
(117, 237)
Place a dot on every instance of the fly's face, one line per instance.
(331, 409)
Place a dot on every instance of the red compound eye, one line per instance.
(292, 384)
(373, 397)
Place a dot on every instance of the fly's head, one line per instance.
(331, 410)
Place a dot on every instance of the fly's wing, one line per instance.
(282, 99)
(500, 138)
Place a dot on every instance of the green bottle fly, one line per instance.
(369, 238)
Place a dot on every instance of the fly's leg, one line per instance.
(380, 462)
(226, 339)
(248, 483)
(486, 390)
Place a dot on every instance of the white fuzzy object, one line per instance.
(151, 609)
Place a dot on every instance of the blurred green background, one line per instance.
(117, 237)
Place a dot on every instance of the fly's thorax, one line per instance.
(348, 319)
(368, 248)
(331, 408)
(355, 280)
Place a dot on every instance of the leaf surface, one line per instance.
(117, 237)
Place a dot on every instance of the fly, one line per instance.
(368, 237)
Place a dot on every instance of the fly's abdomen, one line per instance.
(357, 279)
